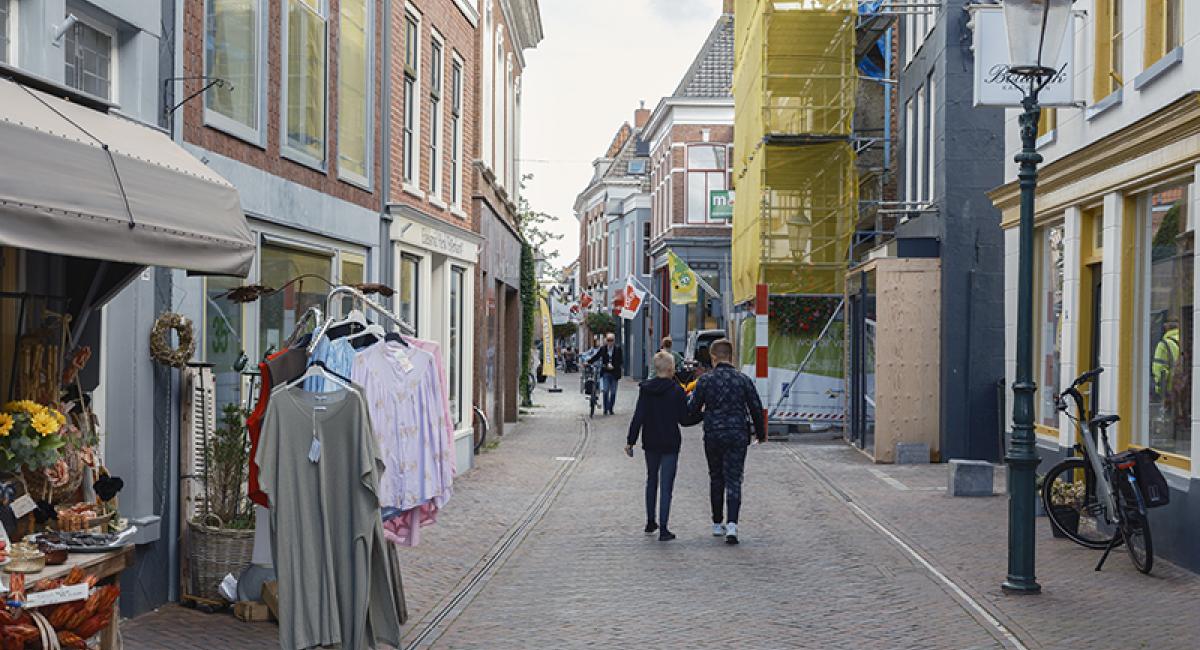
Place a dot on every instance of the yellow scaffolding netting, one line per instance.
(794, 89)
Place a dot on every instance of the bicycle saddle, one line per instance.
(1103, 420)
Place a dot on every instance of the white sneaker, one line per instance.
(731, 534)
(718, 530)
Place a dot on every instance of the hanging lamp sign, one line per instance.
(992, 85)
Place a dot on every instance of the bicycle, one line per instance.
(1096, 501)
(591, 387)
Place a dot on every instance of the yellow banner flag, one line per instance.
(547, 340)
(684, 283)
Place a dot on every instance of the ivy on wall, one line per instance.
(528, 309)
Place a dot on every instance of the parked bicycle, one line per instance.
(1100, 501)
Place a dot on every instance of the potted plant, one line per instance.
(30, 439)
(1065, 501)
(222, 535)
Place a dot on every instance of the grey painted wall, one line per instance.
(968, 161)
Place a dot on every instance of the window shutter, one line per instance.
(199, 424)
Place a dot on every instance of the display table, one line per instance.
(101, 565)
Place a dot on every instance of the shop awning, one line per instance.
(149, 203)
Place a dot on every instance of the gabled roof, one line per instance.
(711, 73)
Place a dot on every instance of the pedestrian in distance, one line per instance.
(610, 360)
(661, 404)
(732, 412)
(667, 344)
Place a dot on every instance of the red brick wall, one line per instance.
(269, 159)
(459, 37)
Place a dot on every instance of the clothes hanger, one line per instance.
(318, 369)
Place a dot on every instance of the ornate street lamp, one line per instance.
(1036, 29)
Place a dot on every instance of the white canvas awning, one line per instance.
(149, 203)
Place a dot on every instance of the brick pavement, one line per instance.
(810, 573)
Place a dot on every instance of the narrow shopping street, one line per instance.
(542, 547)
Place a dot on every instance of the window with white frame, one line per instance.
(920, 141)
(88, 58)
(707, 171)
(354, 79)
(930, 147)
(458, 287)
(456, 132)
(630, 249)
(232, 53)
(436, 67)
(304, 79)
(910, 172)
(5, 39)
(917, 26)
(412, 70)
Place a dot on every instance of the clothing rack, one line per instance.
(361, 298)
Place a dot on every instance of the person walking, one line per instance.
(661, 404)
(666, 347)
(610, 359)
(729, 404)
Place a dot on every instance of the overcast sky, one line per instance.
(598, 59)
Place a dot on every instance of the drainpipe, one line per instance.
(386, 261)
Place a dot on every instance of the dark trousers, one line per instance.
(660, 482)
(726, 454)
(609, 384)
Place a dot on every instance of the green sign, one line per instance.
(720, 204)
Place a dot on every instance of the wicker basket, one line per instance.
(214, 552)
(40, 488)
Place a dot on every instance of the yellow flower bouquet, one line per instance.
(30, 436)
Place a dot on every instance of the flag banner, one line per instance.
(618, 303)
(585, 301)
(634, 297)
(684, 282)
(560, 312)
(547, 340)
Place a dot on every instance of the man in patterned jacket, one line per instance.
(729, 404)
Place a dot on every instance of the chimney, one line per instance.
(727, 7)
(641, 115)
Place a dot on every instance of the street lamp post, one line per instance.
(1036, 29)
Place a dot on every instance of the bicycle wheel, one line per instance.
(1069, 494)
(1136, 530)
(592, 401)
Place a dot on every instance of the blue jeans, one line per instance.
(608, 383)
(660, 482)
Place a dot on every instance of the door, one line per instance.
(860, 318)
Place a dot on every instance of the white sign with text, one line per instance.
(992, 87)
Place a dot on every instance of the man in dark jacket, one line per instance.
(730, 406)
(661, 405)
(610, 359)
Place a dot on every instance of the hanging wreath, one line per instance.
(160, 341)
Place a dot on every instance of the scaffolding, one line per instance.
(794, 94)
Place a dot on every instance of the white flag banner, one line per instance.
(634, 297)
(560, 312)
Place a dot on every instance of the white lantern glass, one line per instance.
(1036, 31)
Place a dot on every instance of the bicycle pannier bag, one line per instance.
(1151, 481)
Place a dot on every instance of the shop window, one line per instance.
(412, 67)
(455, 340)
(354, 78)
(410, 289)
(1168, 298)
(304, 79)
(707, 171)
(436, 63)
(231, 52)
(88, 57)
(456, 132)
(280, 312)
(353, 272)
(1048, 355)
(5, 39)
(1109, 45)
(1164, 28)
(224, 322)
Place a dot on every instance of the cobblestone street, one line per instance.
(542, 547)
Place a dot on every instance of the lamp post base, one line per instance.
(1017, 586)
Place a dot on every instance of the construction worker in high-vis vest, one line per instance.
(1166, 353)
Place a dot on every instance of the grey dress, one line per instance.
(335, 581)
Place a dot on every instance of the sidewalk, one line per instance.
(487, 502)
(966, 538)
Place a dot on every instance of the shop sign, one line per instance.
(992, 87)
(720, 204)
(442, 242)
